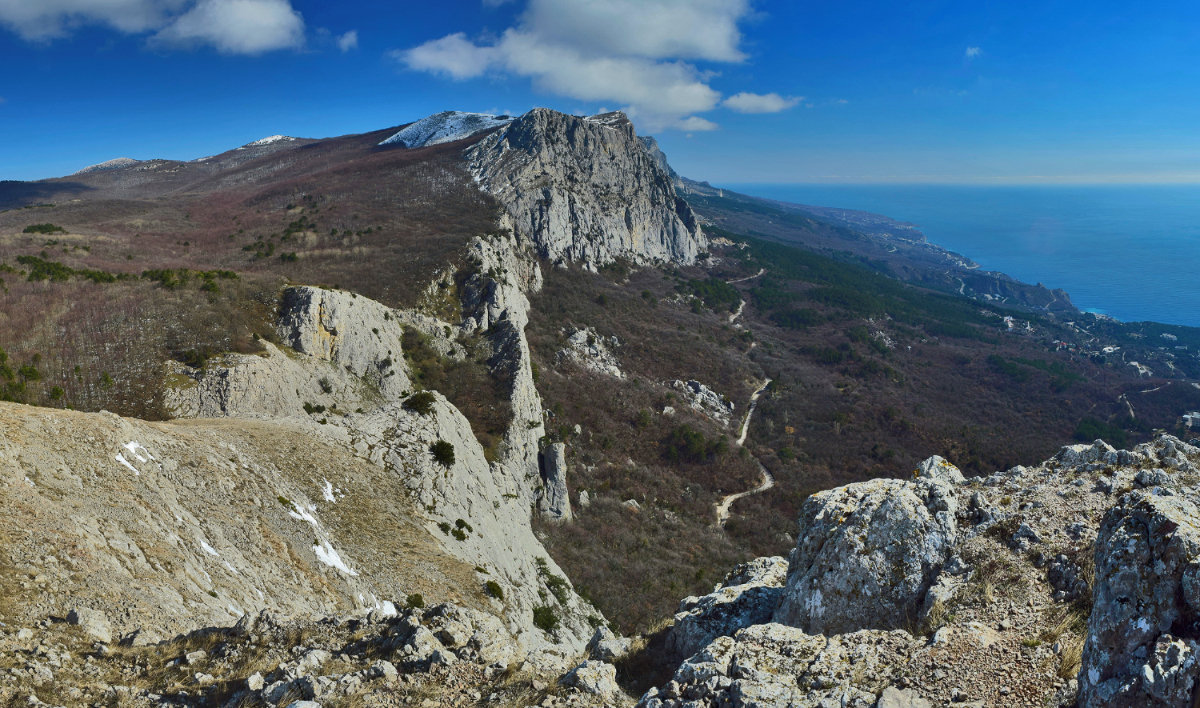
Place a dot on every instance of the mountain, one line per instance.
(437, 411)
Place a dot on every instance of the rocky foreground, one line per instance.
(1075, 582)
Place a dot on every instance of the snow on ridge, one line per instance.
(114, 164)
(445, 127)
(269, 140)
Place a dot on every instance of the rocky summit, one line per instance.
(422, 422)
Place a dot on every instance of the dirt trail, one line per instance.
(768, 481)
(748, 277)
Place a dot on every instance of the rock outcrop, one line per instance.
(946, 590)
(705, 400)
(594, 352)
(534, 167)
(1143, 644)
(867, 553)
(748, 596)
(774, 665)
(555, 500)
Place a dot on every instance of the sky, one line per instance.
(736, 91)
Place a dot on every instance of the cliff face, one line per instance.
(346, 355)
(585, 190)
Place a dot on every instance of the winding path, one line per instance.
(748, 277)
(768, 481)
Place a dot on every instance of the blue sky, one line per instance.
(735, 90)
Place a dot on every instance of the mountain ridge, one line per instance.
(461, 467)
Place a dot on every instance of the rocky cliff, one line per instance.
(536, 165)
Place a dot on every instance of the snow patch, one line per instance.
(136, 449)
(209, 549)
(324, 550)
(329, 556)
(122, 460)
(29, 481)
(327, 491)
(445, 127)
(269, 140)
(116, 164)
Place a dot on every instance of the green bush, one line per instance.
(421, 402)
(545, 618)
(443, 453)
(493, 588)
(415, 601)
(686, 444)
(44, 229)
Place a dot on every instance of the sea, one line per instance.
(1128, 251)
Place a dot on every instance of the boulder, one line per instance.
(748, 596)
(93, 623)
(867, 554)
(595, 677)
(607, 646)
(1142, 635)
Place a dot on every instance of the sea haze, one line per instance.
(1131, 252)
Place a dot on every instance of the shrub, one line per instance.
(545, 618)
(556, 584)
(443, 453)
(44, 229)
(421, 402)
(415, 601)
(493, 588)
(686, 444)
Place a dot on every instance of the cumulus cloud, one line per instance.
(638, 53)
(746, 102)
(453, 55)
(236, 26)
(972, 52)
(231, 26)
(348, 41)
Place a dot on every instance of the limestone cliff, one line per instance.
(347, 364)
(585, 190)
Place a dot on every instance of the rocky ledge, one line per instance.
(1075, 582)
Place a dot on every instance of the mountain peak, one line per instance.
(269, 140)
(445, 127)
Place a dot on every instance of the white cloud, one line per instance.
(48, 19)
(746, 102)
(236, 26)
(453, 55)
(972, 52)
(348, 41)
(231, 26)
(633, 52)
(655, 29)
(695, 124)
